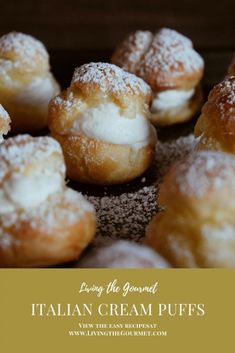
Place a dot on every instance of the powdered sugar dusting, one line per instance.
(18, 151)
(15, 45)
(159, 58)
(223, 98)
(171, 52)
(204, 171)
(64, 103)
(110, 78)
(50, 214)
(122, 254)
(129, 54)
(224, 232)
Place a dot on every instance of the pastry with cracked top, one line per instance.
(167, 61)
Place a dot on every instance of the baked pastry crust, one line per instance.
(122, 254)
(197, 227)
(88, 158)
(54, 233)
(36, 231)
(26, 83)
(91, 161)
(215, 127)
(167, 61)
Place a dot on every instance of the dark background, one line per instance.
(78, 31)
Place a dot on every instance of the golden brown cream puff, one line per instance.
(197, 227)
(101, 122)
(215, 127)
(26, 83)
(122, 254)
(4, 122)
(42, 222)
(167, 61)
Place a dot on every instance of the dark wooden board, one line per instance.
(99, 24)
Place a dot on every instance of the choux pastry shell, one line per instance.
(215, 127)
(101, 122)
(42, 222)
(197, 227)
(167, 61)
(26, 83)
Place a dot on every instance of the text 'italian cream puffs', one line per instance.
(167, 61)
(101, 122)
(4, 123)
(215, 127)
(42, 222)
(197, 228)
(26, 83)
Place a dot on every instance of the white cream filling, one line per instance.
(171, 99)
(26, 192)
(106, 123)
(39, 92)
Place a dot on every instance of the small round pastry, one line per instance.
(197, 228)
(215, 127)
(122, 254)
(26, 83)
(167, 61)
(101, 122)
(231, 69)
(42, 222)
(4, 123)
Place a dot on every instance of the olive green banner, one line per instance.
(71, 310)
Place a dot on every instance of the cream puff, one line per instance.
(4, 123)
(122, 254)
(167, 61)
(231, 69)
(42, 222)
(215, 127)
(26, 83)
(197, 227)
(101, 122)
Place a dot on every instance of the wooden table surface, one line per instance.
(79, 31)
(99, 24)
(63, 63)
